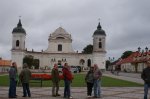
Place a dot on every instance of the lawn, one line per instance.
(78, 81)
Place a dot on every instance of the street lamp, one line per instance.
(142, 56)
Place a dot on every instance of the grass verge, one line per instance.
(79, 81)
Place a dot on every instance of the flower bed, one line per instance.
(45, 76)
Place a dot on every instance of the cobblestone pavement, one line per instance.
(79, 93)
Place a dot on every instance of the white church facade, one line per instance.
(59, 49)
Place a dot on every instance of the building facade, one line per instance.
(59, 49)
(4, 65)
(134, 62)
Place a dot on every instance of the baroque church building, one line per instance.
(59, 49)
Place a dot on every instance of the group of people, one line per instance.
(16, 78)
(92, 78)
(67, 81)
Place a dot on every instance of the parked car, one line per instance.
(79, 68)
(74, 69)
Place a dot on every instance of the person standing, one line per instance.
(146, 77)
(97, 81)
(12, 78)
(25, 77)
(17, 77)
(89, 78)
(55, 81)
(67, 80)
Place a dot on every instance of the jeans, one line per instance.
(67, 93)
(89, 88)
(12, 88)
(26, 89)
(146, 87)
(97, 90)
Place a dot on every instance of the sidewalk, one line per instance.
(133, 77)
(78, 93)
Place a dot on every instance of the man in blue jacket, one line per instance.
(12, 79)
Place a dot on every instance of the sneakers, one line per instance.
(96, 96)
(89, 96)
(68, 97)
(58, 95)
(53, 95)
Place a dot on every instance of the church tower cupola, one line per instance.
(99, 39)
(19, 28)
(18, 37)
(99, 30)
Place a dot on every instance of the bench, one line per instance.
(37, 80)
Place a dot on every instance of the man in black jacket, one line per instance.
(146, 77)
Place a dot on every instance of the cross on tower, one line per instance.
(99, 19)
(19, 17)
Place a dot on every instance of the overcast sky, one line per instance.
(126, 23)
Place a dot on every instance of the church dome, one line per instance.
(60, 30)
(99, 30)
(60, 33)
(19, 28)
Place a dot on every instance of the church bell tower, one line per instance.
(99, 49)
(18, 37)
(18, 44)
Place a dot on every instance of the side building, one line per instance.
(59, 49)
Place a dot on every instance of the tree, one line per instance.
(36, 63)
(88, 49)
(29, 60)
(126, 54)
(107, 64)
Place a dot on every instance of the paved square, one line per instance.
(79, 93)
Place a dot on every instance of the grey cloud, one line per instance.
(126, 22)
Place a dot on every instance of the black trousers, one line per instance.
(89, 88)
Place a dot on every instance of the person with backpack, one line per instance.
(67, 80)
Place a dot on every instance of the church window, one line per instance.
(59, 47)
(17, 43)
(99, 39)
(89, 63)
(100, 44)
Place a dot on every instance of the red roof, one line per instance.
(135, 57)
(5, 62)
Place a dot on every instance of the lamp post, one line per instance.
(111, 60)
(142, 56)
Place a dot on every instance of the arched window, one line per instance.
(59, 47)
(81, 62)
(89, 63)
(17, 43)
(100, 44)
